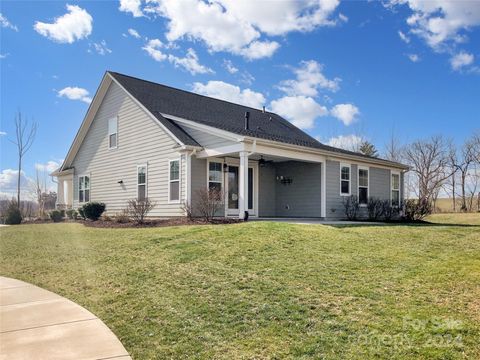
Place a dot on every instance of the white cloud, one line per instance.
(3, 133)
(246, 78)
(3, 56)
(309, 79)
(8, 182)
(134, 33)
(301, 110)
(189, 63)
(347, 142)
(48, 167)
(440, 22)
(74, 25)
(461, 60)
(131, 6)
(346, 113)
(75, 93)
(229, 92)
(404, 37)
(101, 48)
(153, 49)
(228, 65)
(237, 26)
(414, 57)
(5, 23)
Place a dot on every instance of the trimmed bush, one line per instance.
(13, 215)
(417, 209)
(93, 210)
(81, 213)
(56, 215)
(69, 213)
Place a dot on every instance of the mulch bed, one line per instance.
(155, 223)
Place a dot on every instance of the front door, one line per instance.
(232, 194)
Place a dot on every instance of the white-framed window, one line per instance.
(345, 179)
(363, 185)
(142, 182)
(215, 176)
(174, 180)
(395, 188)
(112, 133)
(83, 188)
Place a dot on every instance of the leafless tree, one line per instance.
(451, 184)
(24, 136)
(39, 190)
(429, 161)
(464, 165)
(393, 148)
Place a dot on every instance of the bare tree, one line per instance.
(429, 161)
(464, 165)
(452, 183)
(393, 148)
(24, 136)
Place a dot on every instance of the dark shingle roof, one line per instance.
(217, 113)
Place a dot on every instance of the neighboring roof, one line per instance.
(220, 114)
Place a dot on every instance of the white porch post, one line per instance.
(243, 184)
(65, 192)
(188, 175)
(60, 192)
(323, 186)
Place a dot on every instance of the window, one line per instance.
(215, 176)
(344, 179)
(112, 133)
(141, 182)
(83, 189)
(362, 186)
(395, 182)
(174, 181)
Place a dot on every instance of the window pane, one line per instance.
(175, 190)
(345, 189)
(87, 182)
(174, 170)
(250, 188)
(215, 186)
(141, 192)
(113, 140)
(362, 195)
(362, 177)
(345, 173)
(80, 183)
(233, 187)
(215, 172)
(80, 196)
(395, 197)
(395, 181)
(142, 175)
(87, 195)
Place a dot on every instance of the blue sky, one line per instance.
(339, 70)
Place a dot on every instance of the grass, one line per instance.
(265, 290)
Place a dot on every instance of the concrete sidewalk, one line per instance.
(38, 324)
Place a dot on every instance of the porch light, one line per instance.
(120, 182)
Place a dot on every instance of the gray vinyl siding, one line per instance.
(379, 186)
(140, 141)
(266, 190)
(205, 139)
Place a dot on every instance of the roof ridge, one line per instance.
(192, 93)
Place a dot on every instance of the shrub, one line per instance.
(122, 218)
(389, 211)
(69, 213)
(93, 210)
(13, 215)
(56, 215)
(417, 209)
(351, 206)
(62, 212)
(209, 203)
(187, 209)
(106, 218)
(138, 209)
(81, 213)
(75, 215)
(374, 208)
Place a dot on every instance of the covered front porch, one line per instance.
(262, 181)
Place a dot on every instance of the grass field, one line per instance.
(266, 290)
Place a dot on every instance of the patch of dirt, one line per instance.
(155, 223)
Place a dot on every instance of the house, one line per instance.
(142, 139)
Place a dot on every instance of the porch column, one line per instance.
(243, 184)
(323, 187)
(66, 192)
(188, 175)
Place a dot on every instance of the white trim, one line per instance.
(392, 189)
(170, 201)
(209, 129)
(145, 165)
(323, 190)
(188, 179)
(220, 151)
(349, 166)
(220, 161)
(358, 184)
(89, 188)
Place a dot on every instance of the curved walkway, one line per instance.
(38, 324)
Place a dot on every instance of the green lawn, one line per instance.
(265, 290)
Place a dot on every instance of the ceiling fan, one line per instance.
(262, 162)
